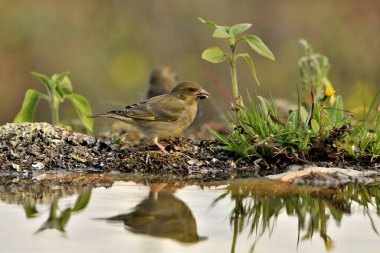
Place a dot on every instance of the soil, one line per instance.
(30, 150)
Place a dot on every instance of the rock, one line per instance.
(320, 176)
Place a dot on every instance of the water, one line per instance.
(240, 216)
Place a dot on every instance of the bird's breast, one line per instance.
(189, 114)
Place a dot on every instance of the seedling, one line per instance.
(59, 88)
(233, 34)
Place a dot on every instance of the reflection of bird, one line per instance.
(162, 81)
(162, 215)
(163, 116)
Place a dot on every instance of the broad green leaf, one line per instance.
(258, 45)
(304, 114)
(214, 55)
(239, 28)
(317, 112)
(209, 23)
(251, 66)
(315, 126)
(46, 81)
(63, 81)
(222, 33)
(82, 200)
(59, 92)
(336, 113)
(66, 85)
(83, 109)
(350, 149)
(29, 106)
(59, 77)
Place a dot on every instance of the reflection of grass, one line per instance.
(258, 204)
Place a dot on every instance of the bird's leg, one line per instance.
(155, 189)
(162, 148)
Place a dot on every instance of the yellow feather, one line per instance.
(142, 117)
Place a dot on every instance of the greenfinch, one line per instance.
(163, 116)
(162, 81)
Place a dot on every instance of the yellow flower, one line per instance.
(330, 91)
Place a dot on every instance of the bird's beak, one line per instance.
(201, 94)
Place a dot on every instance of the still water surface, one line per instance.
(239, 216)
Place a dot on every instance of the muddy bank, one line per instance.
(30, 149)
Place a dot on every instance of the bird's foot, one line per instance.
(162, 148)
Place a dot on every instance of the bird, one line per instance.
(162, 81)
(163, 116)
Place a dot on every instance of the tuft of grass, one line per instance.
(364, 138)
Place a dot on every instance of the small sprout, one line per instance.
(234, 35)
(59, 88)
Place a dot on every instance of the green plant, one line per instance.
(259, 131)
(316, 122)
(365, 134)
(313, 69)
(233, 34)
(58, 88)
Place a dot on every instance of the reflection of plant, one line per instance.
(233, 35)
(258, 204)
(58, 88)
(59, 221)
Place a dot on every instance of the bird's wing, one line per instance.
(160, 108)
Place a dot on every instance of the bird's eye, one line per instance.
(192, 89)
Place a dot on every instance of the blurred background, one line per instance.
(111, 46)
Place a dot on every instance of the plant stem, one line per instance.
(235, 90)
(54, 106)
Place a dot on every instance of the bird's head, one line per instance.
(186, 90)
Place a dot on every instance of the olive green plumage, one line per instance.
(163, 116)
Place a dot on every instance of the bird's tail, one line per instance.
(119, 115)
